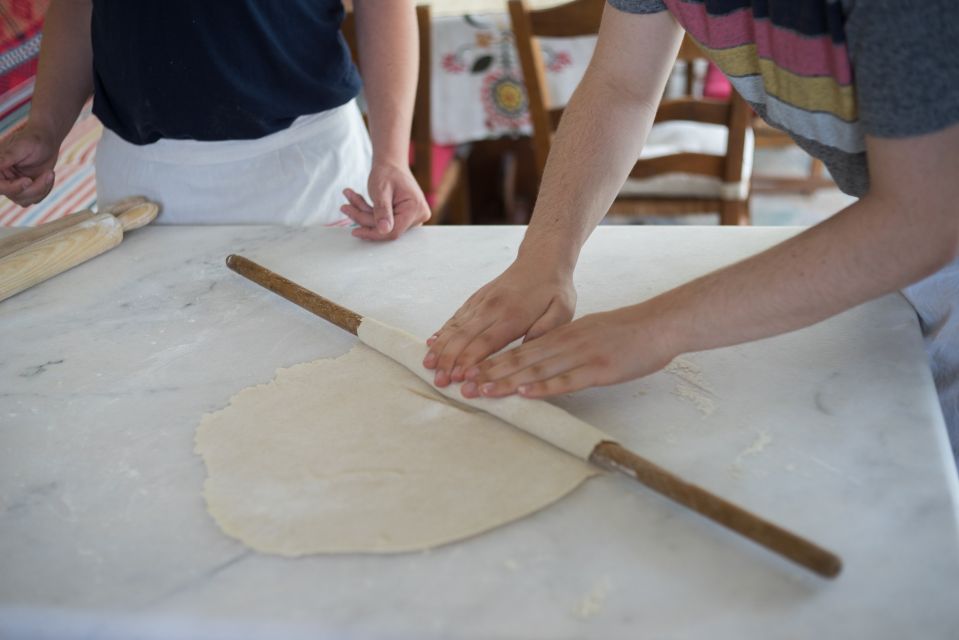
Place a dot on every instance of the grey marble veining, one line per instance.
(833, 431)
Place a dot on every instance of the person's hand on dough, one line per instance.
(398, 203)
(528, 299)
(27, 159)
(595, 350)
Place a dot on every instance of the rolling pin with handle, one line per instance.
(600, 449)
(87, 236)
(28, 236)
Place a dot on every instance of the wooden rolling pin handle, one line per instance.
(315, 303)
(138, 215)
(613, 456)
(119, 206)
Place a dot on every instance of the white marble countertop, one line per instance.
(833, 432)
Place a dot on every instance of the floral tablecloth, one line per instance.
(477, 83)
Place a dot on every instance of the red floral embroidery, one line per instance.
(452, 63)
(559, 60)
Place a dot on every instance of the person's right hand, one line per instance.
(27, 159)
(528, 299)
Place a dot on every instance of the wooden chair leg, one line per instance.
(462, 199)
(734, 212)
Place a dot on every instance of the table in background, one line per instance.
(833, 431)
(477, 84)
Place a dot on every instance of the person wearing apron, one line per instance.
(231, 111)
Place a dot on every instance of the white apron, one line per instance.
(293, 177)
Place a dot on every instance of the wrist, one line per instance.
(669, 319)
(547, 269)
(393, 154)
(556, 256)
(46, 127)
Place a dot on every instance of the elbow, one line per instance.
(941, 247)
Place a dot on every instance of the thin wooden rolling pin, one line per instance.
(607, 454)
(64, 249)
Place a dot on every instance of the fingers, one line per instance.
(554, 316)
(488, 342)
(406, 213)
(503, 310)
(37, 190)
(373, 235)
(567, 382)
(492, 386)
(359, 216)
(26, 191)
(22, 186)
(444, 351)
(536, 371)
(358, 200)
(13, 186)
(361, 212)
(383, 209)
(16, 152)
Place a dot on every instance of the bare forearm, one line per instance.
(872, 248)
(387, 37)
(599, 139)
(897, 235)
(65, 74)
(596, 145)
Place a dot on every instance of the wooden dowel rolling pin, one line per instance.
(607, 453)
(39, 253)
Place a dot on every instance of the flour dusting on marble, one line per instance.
(762, 440)
(593, 602)
(691, 385)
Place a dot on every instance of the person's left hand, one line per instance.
(598, 349)
(398, 204)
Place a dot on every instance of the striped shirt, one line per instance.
(830, 72)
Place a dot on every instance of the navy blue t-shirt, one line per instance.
(216, 69)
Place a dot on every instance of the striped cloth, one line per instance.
(75, 187)
(20, 24)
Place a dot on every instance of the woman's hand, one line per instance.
(398, 204)
(27, 159)
(528, 299)
(598, 349)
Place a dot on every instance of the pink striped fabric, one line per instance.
(790, 50)
(75, 186)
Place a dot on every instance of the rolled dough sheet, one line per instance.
(356, 454)
(547, 422)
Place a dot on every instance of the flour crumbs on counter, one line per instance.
(762, 440)
(692, 385)
(592, 604)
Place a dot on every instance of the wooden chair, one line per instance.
(768, 137)
(445, 186)
(698, 157)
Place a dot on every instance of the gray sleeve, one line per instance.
(905, 65)
(639, 6)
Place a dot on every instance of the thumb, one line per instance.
(553, 317)
(383, 209)
(14, 153)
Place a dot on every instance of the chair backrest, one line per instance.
(421, 162)
(582, 17)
